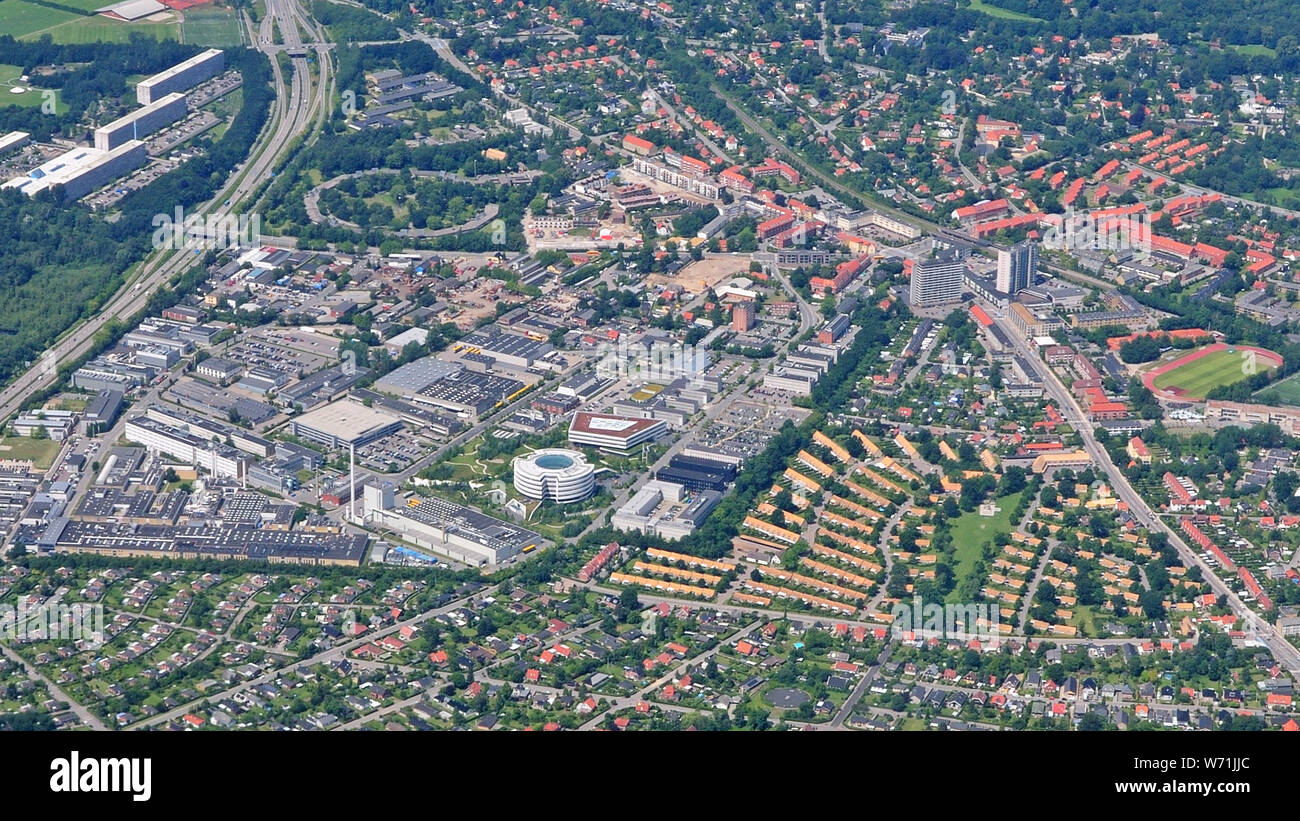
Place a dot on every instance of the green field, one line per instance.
(1005, 14)
(1286, 392)
(971, 531)
(1198, 378)
(102, 29)
(1085, 619)
(8, 80)
(1255, 50)
(20, 18)
(40, 451)
(211, 26)
(84, 5)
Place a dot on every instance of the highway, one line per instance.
(292, 114)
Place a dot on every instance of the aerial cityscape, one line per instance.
(624, 365)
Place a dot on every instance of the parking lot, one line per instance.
(401, 449)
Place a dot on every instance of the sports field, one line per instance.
(1285, 392)
(30, 21)
(211, 26)
(103, 29)
(20, 18)
(1194, 375)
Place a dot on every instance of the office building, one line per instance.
(82, 170)
(187, 448)
(139, 124)
(615, 434)
(742, 316)
(182, 76)
(554, 474)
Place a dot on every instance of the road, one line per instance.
(88, 718)
(1283, 651)
(338, 652)
(291, 116)
(846, 709)
(961, 141)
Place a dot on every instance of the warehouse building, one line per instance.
(344, 424)
(449, 529)
(102, 411)
(506, 348)
(469, 394)
(414, 377)
(241, 542)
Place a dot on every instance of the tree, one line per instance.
(629, 601)
(1142, 349)
(1091, 722)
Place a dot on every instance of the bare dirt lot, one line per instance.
(706, 273)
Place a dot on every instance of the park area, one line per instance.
(972, 531)
(1193, 375)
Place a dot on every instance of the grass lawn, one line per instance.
(1255, 50)
(9, 80)
(211, 26)
(1005, 14)
(84, 5)
(914, 724)
(40, 451)
(971, 531)
(1199, 377)
(70, 402)
(1281, 197)
(1085, 619)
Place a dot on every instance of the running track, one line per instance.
(1150, 378)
